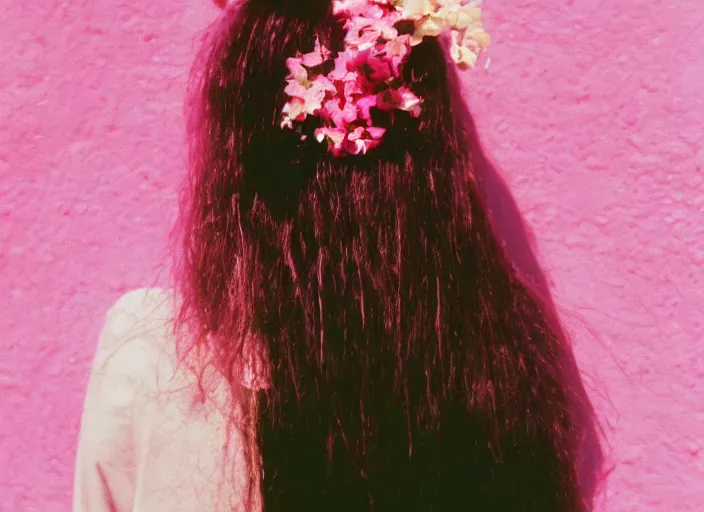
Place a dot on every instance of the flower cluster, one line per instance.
(367, 74)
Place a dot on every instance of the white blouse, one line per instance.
(148, 440)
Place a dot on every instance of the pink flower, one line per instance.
(360, 34)
(293, 111)
(296, 69)
(364, 104)
(396, 50)
(407, 101)
(366, 8)
(356, 133)
(361, 140)
(305, 99)
(350, 7)
(358, 59)
(316, 93)
(340, 70)
(366, 70)
(294, 88)
(344, 77)
(376, 10)
(376, 132)
(312, 102)
(315, 58)
(380, 69)
(370, 62)
(364, 33)
(401, 98)
(385, 101)
(354, 143)
(334, 136)
(341, 117)
(375, 66)
(324, 84)
(352, 86)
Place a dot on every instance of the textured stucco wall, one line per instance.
(592, 112)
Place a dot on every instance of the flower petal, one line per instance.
(295, 67)
(376, 132)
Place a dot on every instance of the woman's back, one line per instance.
(407, 365)
(154, 437)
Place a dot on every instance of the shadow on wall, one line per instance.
(512, 232)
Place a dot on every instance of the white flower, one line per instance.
(463, 56)
(416, 8)
(428, 27)
(458, 16)
(475, 38)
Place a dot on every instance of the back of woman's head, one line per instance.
(239, 95)
(409, 367)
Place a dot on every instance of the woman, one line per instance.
(346, 332)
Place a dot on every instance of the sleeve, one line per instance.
(155, 437)
(105, 459)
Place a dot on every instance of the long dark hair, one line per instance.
(410, 368)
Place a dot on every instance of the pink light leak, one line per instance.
(590, 112)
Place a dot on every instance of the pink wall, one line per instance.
(592, 112)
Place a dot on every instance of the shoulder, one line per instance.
(141, 427)
(139, 346)
(137, 376)
(135, 339)
(121, 379)
(138, 323)
(136, 301)
(135, 334)
(139, 312)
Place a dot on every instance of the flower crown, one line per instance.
(368, 73)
